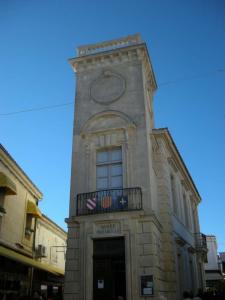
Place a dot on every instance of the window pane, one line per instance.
(102, 183)
(102, 156)
(116, 182)
(102, 171)
(116, 170)
(116, 155)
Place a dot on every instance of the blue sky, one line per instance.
(186, 41)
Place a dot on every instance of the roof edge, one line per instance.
(165, 132)
(21, 175)
(54, 223)
(75, 60)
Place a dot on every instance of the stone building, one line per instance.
(133, 228)
(50, 249)
(213, 272)
(28, 239)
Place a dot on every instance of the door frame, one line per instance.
(88, 263)
(109, 260)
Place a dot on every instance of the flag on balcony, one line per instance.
(122, 202)
(106, 202)
(91, 203)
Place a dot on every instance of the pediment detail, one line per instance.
(107, 121)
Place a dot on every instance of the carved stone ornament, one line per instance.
(107, 228)
(107, 88)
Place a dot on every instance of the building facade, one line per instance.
(24, 266)
(213, 272)
(133, 227)
(50, 250)
(222, 263)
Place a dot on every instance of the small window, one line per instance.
(2, 209)
(32, 213)
(29, 225)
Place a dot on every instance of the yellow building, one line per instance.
(24, 233)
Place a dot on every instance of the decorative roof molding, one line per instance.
(109, 45)
(17, 171)
(134, 51)
(185, 185)
(193, 200)
(173, 164)
(155, 145)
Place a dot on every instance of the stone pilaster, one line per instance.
(72, 289)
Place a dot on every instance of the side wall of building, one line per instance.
(50, 243)
(14, 222)
(181, 224)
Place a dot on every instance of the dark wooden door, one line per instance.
(109, 277)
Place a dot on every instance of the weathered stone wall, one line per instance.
(142, 248)
(72, 288)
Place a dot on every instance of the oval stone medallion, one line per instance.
(107, 88)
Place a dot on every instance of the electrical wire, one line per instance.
(222, 70)
(36, 109)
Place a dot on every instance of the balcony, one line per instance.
(200, 242)
(107, 201)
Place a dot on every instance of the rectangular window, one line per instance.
(109, 171)
(174, 194)
(2, 197)
(29, 226)
(186, 215)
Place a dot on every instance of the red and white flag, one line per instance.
(91, 203)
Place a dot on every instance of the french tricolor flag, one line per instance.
(91, 203)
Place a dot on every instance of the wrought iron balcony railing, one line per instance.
(200, 242)
(106, 201)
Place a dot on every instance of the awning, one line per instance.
(11, 254)
(7, 184)
(33, 210)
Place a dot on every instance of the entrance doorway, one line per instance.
(109, 276)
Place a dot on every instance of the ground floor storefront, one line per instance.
(23, 276)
